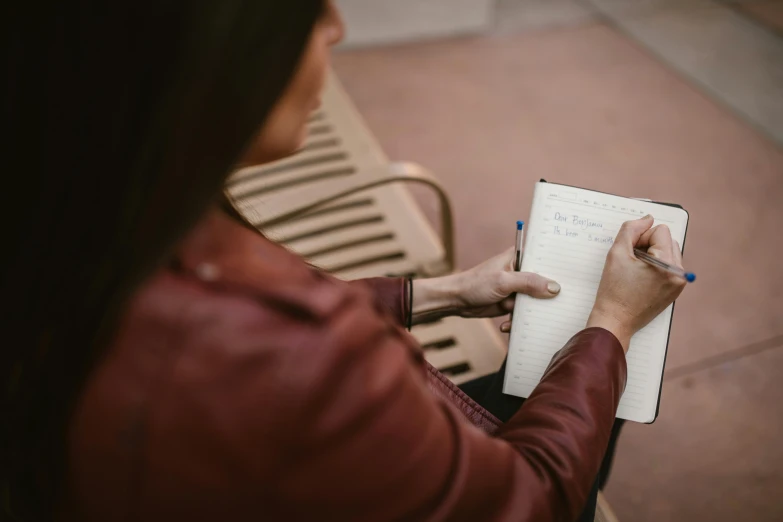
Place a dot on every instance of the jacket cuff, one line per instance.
(391, 294)
(605, 351)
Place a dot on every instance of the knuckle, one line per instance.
(532, 284)
(503, 282)
(525, 282)
(676, 281)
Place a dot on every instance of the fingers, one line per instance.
(677, 251)
(658, 235)
(631, 231)
(644, 239)
(505, 327)
(510, 256)
(659, 243)
(533, 285)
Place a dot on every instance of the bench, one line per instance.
(340, 203)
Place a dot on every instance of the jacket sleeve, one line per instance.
(379, 446)
(390, 293)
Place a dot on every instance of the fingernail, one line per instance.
(648, 216)
(553, 287)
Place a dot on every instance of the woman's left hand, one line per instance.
(483, 291)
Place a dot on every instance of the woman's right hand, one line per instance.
(632, 293)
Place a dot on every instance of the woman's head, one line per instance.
(285, 128)
(125, 119)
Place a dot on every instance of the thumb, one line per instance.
(533, 285)
(631, 231)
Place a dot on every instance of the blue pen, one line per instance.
(654, 261)
(518, 254)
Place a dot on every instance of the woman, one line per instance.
(163, 362)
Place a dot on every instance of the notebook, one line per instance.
(569, 233)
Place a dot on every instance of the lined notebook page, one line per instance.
(568, 236)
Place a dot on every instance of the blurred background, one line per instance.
(675, 100)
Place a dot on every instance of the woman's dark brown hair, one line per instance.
(122, 120)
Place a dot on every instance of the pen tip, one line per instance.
(520, 224)
(690, 277)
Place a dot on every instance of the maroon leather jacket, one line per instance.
(244, 385)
